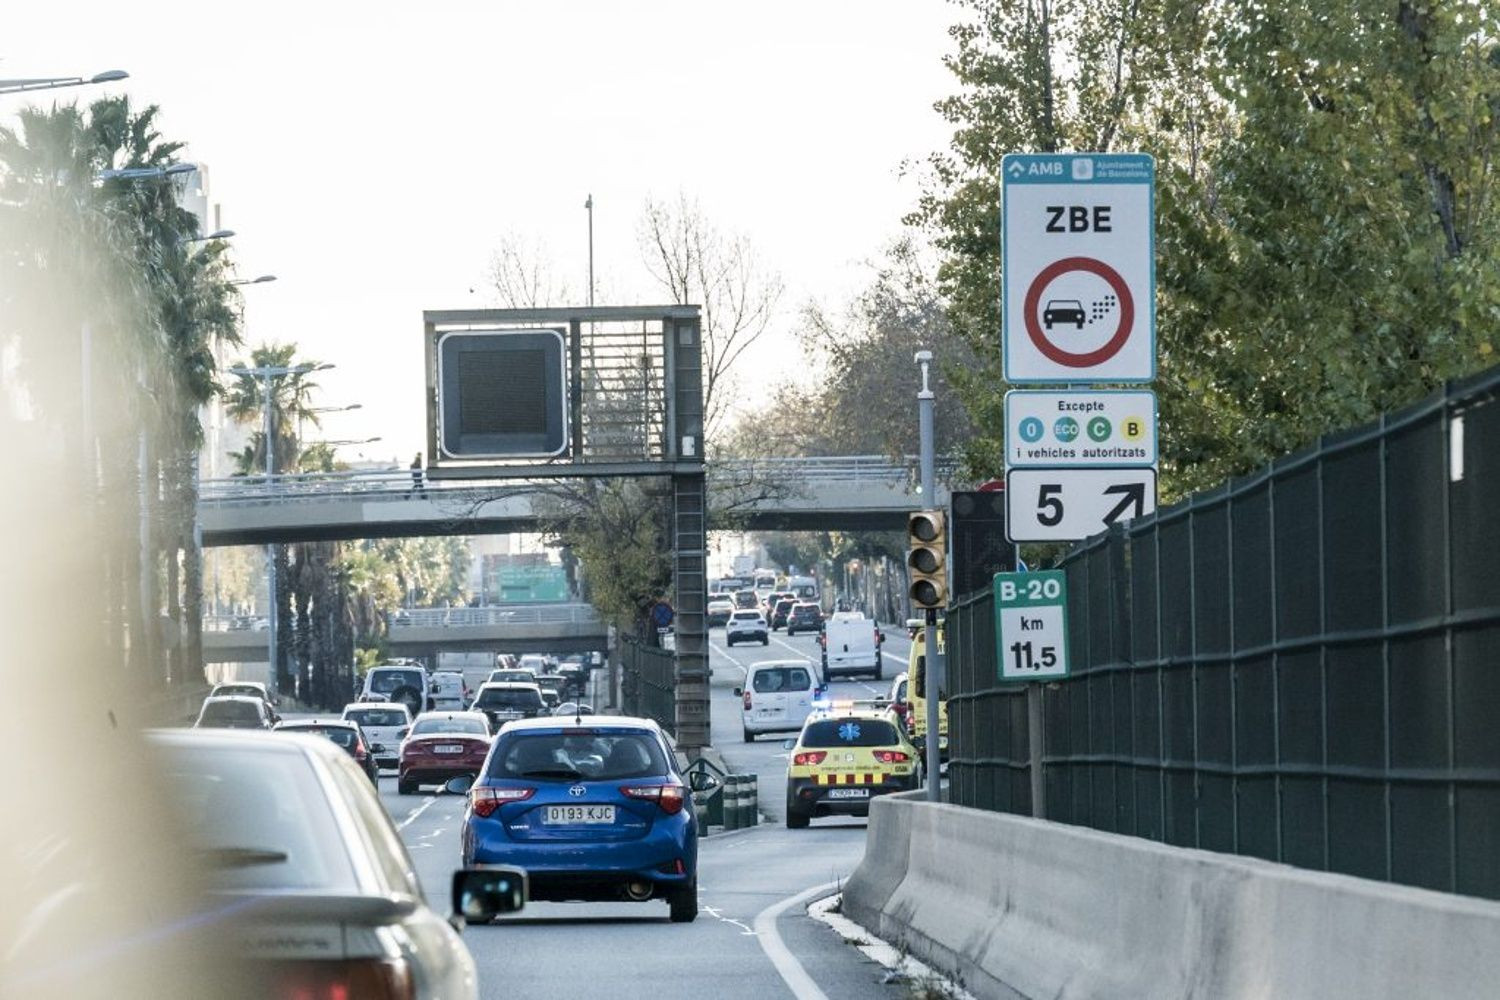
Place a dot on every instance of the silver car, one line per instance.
(314, 884)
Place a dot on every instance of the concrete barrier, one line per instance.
(1016, 907)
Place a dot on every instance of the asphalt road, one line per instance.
(740, 946)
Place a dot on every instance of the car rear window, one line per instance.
(768, 680)
(259, 819)
(509, 698)
(849, 733)
(341, 735)
(577, 754)
(746, 616)
(387, 681)
(475, 727)
(237, 689)
(219, 713)
(376, 716)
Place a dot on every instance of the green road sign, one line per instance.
(1031, 625)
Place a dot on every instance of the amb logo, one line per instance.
(1036, 169)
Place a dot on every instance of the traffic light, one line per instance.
(926, 559)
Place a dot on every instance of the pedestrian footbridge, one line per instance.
(424, 632)
(857, 493)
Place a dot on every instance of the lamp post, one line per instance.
(263, 279)
(589, 205)
(266, 373)
(55, 82)
(217, 234)
(145, 173)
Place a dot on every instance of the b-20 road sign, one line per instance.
(1065, 505)
(1031, 625)
(1078, 267)
(1090, 427)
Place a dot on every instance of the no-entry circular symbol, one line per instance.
(1033, 313)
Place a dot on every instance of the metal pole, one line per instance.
(270, 443)
(1034, 746)
(930, 686)
(590, 206)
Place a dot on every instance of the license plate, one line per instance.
(848, 793)
(560, 815)
(448, 748)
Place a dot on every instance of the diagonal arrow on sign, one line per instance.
(1132, 494)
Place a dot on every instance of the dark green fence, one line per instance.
(1302, 665)
(648, 685)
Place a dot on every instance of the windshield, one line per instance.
(230, 713)
(523, 698)
(475, 727)
(581, 754)
(850, 733)
(387, 681)
(259, 819)
(376, 716)
(243, 690)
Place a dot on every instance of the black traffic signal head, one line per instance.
(926, 559)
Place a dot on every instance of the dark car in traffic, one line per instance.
(805, 616)
(342, 733)
(780, 612)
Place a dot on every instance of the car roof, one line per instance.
(320, 723)
(592, 722)
(375, 704)
(247, 699)
(258, 685)
(509, 686)
(779, 663)
(478, 716)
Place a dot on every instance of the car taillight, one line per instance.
(747, 699)
(891, 757)
(670, 797)
(809, 757)
(486, 800)
(346, 979)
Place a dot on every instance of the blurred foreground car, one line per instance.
(311, 875)
(443, 745)
(592, 812)
(234, 711)
(342, 733)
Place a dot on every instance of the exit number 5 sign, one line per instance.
(1031, 625)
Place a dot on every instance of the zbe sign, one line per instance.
(1078, 268)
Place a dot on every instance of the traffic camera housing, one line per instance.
(926, 558)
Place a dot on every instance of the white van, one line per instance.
(851, 645)
(777, 697)
(448, 691)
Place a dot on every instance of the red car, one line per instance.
(443, 745)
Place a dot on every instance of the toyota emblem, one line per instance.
(578, 791)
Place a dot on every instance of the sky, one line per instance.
(372, 156)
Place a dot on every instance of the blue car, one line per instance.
(594, 810)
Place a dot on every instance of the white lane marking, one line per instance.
(419, 810)
(731, 658)
(790, 970)
(876, 950)
(713, 912)
(903, 660)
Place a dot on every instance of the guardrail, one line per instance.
(398, 483)
(531, 614)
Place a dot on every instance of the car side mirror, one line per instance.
(788, 744)
(401, 733)
(459, 785)
(702, 781)
(482, 894)
(739, 692)
(820, 690)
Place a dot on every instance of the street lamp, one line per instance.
(253, 281)
(217, 234)
(336, 444)
(54, 82)
(336, 409)
(266, 373)
(146, 173)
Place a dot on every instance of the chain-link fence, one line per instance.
(1302, 665)
(648, 684)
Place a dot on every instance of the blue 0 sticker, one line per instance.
(1031, 430)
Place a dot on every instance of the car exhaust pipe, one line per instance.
(638, 891)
